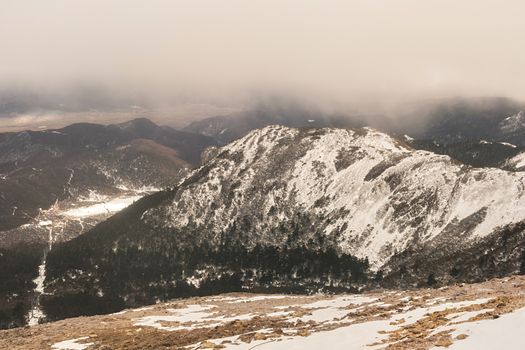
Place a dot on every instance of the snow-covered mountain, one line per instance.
(513, 123)
(378, 195)
(482, 132)
(299, 209)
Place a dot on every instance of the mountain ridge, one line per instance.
(298, 209)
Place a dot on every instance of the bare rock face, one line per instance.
(286, 209)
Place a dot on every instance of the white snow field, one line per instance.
(112, 206)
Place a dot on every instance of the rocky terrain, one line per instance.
(477, 316)
(298, 210)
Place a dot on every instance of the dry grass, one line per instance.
(434, 328)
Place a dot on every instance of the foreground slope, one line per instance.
(478, 316)
(286, 209)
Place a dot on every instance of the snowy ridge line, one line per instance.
(380, 194)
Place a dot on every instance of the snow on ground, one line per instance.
(257, 298)
(483, 316)
(505, 332)
(72, 344)
(465, 316)
(349, 333)
(93, 196)
(336, 320)
(197, 315)
(146, 308)
(112, 206)
(342, 301)
(36, 312)
(507, 144)
(44, 223)
(333, 309)
(207, 315)
(355, 337)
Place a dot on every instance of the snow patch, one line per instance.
(191, 317)
(256, 298)
(112, 206)
(72, 344)
(505, 332)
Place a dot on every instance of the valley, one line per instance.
(58, 184)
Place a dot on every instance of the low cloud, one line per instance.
(226, 54)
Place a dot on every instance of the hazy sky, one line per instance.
(226, 50)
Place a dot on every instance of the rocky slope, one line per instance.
(298, 210)
(478, 316)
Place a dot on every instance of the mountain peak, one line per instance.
(142, 122)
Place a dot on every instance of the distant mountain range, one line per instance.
(477, 131)
(444, 120)
(293, 201)
(38, 168)
(56, 184)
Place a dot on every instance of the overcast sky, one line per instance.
(223, 51)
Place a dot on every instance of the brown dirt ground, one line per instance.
(117, 331)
